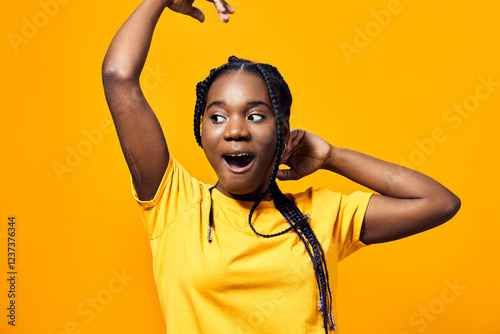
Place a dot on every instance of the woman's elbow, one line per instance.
(114, 72)
(450, 206)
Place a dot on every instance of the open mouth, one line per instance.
(238, 161)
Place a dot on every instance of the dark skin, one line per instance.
(409, 202)
(240, 119)
(140, 134)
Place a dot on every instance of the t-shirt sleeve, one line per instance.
(347, 229)
(346, 213)
(177, 192)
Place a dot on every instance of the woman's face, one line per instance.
(239, 134)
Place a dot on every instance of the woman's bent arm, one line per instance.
(409, 202)
(139, 131)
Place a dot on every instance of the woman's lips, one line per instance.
(238, 162)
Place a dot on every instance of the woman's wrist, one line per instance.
(166, 3)
(331, 159)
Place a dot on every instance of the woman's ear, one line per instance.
(286, 128)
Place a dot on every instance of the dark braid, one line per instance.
(282, 100)
(279, 151)
(292, 213)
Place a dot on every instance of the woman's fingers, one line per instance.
(287, 174)
(186, 7)
(223, 8)
(196, 13)
(229, 9)
(219, 6)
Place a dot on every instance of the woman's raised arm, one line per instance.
(140, 134)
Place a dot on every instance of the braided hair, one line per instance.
(282, 100)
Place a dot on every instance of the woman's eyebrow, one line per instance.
(253, 103)
(256, 103)
(215, 103)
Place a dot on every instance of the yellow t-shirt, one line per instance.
(242, 283)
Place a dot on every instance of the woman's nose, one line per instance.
(236, 130)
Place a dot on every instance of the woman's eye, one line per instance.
(255, 117)
(217, 118)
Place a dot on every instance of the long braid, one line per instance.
(288, 208)
(279, 151)
(280, 199)
(281, 99)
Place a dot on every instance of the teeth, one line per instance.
(239, 155)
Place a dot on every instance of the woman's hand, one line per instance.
(186, 7)
(305, 154)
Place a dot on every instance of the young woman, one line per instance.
(240, 256)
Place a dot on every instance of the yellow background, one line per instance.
(76, 231)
